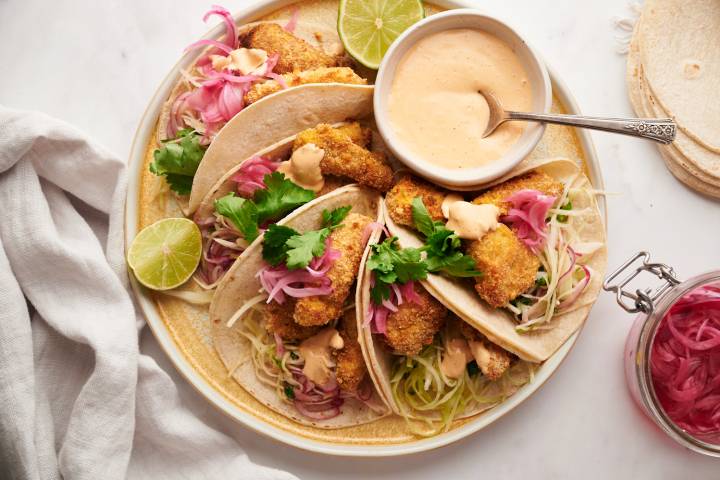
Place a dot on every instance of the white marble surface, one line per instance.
(96, 64)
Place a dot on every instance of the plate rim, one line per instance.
(156, 324)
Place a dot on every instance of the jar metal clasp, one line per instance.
(642, 299)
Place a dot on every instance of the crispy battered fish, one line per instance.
(279, 319)
(319, 75)
(534, 180)
(296, 54)
(399, 199)
(361, 136)
(351, 368)
(414, 325)
(346, 159)
(322, 309)
(508, 266)
(492, 360)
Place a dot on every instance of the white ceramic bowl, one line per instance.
(466, 178)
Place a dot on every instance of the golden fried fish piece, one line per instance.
(322, 309)
(508, 266)
(295, 54)
(414, 325)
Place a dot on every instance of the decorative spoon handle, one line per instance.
(661, 130)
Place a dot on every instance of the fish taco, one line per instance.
(283, 318)
(522, 261)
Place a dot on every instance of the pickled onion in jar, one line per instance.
(685, 362)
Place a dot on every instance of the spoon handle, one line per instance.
(661, 130)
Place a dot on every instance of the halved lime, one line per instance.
(368, 27)
(165, 254)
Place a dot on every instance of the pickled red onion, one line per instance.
(685, 361)
(231, 33)
(292, 23)
(251, 174)
(280, 282)
(376, 315)
(527, 216)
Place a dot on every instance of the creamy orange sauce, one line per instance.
(435, 109)
(470, 221)
(245, 60)
(480, 353)
(449, 199)
(303, 168)
(457, 354)
(317, 353)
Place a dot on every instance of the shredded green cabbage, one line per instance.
(430, 402)
(535, 309)
(271, 369)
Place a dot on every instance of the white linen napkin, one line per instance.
(77, 398)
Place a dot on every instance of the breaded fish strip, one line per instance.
(508, 266)
(361, 136)
(534, 180)
(414, 325)
(296, 54)
(322, 309)
(351, 368)
(319, 75)
(279, 319)
(492, 360)
(399, 199)
(346, 159)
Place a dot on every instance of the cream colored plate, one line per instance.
(182, 330)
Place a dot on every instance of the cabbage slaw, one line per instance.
(430, 402)
(563, 275)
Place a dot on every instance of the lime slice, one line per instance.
(165, 254)
(367, 28)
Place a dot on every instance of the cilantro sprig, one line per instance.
(279, 197)
(177, 160)
(392, 264)
(442, 254)
(443, 247)
(285, 245)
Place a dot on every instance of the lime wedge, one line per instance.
(367, 28)
(165, 254)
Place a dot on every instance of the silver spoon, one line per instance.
(661, 130)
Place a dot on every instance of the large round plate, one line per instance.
(187, 363)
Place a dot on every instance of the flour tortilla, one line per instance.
(240, 284)
(679, 164)
(273, 119)
(679, 43)
(459, 295)
(226, 184)
(380, 359)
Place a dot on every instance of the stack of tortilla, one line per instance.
(674, 71)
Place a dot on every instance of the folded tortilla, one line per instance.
(497, 325)
(273, 119)
(241, 284)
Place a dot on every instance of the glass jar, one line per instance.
(652, 306)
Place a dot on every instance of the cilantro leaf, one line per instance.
(281, 196)
(422, 219)
(301, 249)
(334, 218)
(443, 247)
(456, 264)
(241, 212)
(391, 264)
(178, 160)
(274, 250)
